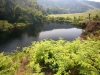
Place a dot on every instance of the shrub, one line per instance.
(66, 58)
(79, 57)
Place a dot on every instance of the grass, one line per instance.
(85, 14)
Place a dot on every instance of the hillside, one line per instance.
(68, 6)
(92, 3)
(20, 11)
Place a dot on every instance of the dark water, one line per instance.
(21, 37)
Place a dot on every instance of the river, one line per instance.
(21, 37)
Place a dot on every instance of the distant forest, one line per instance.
(68, 6)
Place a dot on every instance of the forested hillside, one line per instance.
(68, 6)
(20, 11)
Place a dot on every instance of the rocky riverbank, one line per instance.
(92, 30)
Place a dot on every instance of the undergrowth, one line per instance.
(79, 57)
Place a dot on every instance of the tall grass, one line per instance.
(85, 14)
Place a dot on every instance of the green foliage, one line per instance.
(63, 57)
(15, 11)
(4, 25)
(7, 66)
(79, 57)
(21, 24)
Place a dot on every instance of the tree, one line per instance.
(89, 17)
(96, 16)
(20, 10)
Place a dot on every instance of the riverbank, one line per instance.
(92, 31)
(79, 19)
(5, 26)
(23, 36)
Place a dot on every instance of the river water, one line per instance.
(22, 37)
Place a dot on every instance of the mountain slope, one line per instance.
(68, 6)
(89, 5)
(94, 4)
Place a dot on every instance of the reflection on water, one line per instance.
(23, 37)
(67, 34)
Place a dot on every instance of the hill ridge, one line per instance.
(84, 3)
(68, 6)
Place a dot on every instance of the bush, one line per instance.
(7, 66)
(4, 25)
(66, 58)
(79, 57)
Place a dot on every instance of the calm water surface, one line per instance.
(9, 41)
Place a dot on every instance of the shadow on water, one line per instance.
(21, 37)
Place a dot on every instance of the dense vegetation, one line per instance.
(15, 13)
(20, 11)
(5, 26)
(47, 57)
